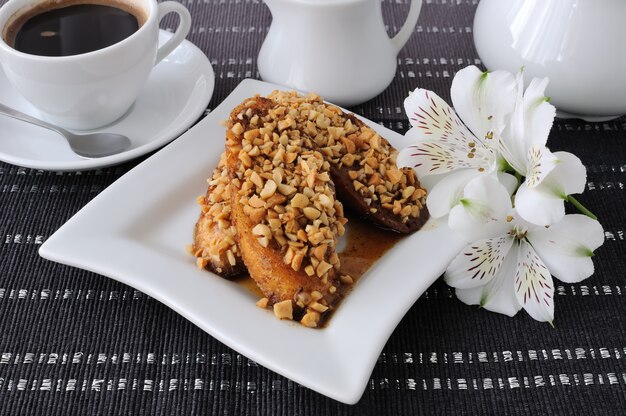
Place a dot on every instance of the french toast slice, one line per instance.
(215, 237)
(363, 165)
(287, 218)
(273, 205)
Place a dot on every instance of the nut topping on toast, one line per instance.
(283, 207)
(215, 237)
(290, 163)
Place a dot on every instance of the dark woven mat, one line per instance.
(72, 342)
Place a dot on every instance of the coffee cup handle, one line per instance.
(181, 32)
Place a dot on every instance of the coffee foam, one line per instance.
(15, 22)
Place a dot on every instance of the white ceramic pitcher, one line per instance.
(336, 48)
(578, 44)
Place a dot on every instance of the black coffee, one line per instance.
(73, 29)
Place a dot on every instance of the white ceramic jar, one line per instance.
(336, 48)
(579, 44)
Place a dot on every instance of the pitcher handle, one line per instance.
(406, 30)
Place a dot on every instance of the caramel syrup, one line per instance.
(364, 245)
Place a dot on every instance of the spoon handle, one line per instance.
(11, 112)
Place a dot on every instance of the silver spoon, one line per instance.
(91, 145)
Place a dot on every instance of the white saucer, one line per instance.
(175, 96)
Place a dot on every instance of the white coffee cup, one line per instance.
(92, 89)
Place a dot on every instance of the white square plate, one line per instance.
(136, 232)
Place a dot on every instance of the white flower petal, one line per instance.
(568, 177)
(478, 263)
(529, 125)
(499, 294)
(487, 190)
(433, 157)
(448, 191)
(482, 211)
(471, 296)
(533, 284)
(508, 181)
(433, 119)
(567, 246)
(538, 206)
(539, 113)
(511, 142)
(543, 204)
(410, 137)
(540, 162)
(468, 224)
(483, 100)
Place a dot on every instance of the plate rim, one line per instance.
(107, 161)
(347, 391)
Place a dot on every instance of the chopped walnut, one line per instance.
(284, 310)
(263, 303)
(311, 319)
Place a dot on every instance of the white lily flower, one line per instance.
(550, 177)
(510, 265)
(454, 149)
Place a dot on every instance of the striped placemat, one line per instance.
(73, 342)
